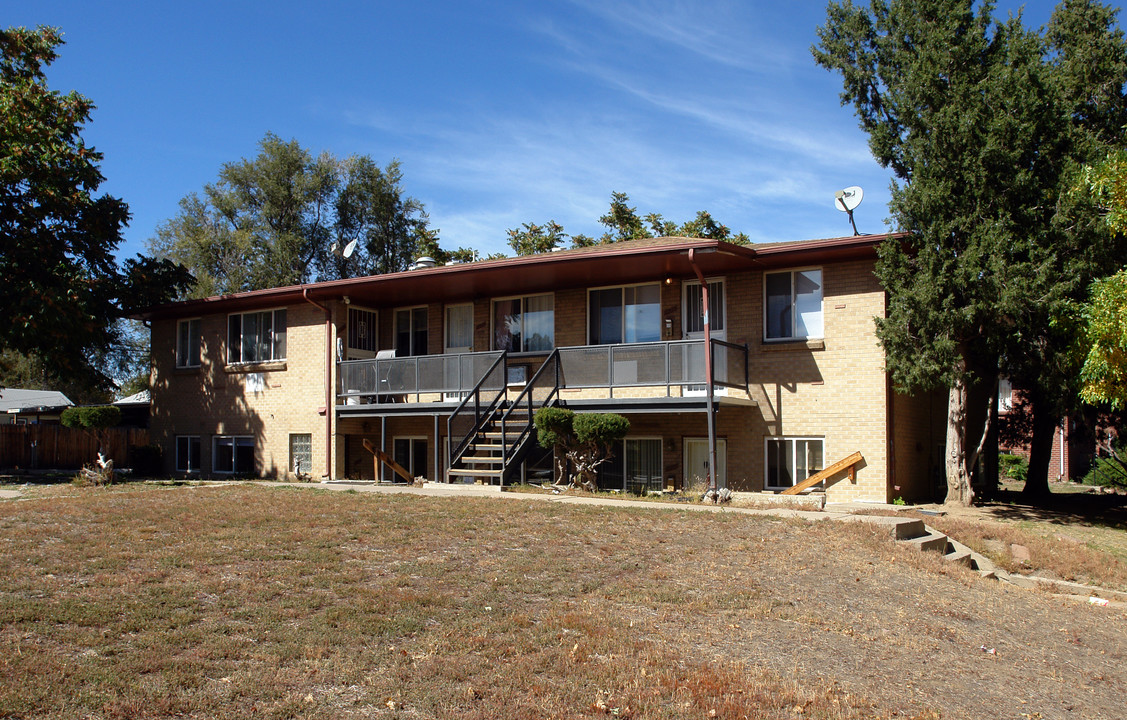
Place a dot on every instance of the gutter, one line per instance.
(328, 381)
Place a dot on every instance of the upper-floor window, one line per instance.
(256, 336)
(362, 327)
(411, 331)
(792, 305)
(694, 308)
(525, 324)
(624, 315)
(188, 343)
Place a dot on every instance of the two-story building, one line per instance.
(440, 368)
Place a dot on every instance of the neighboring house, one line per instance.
(135, 410)
(22, 407)
(1071, 451)
(438, 367)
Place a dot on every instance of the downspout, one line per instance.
(328, 381)
(707, 375)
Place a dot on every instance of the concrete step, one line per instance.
(482, 460)
(931, 542)
(961, 557)
(899, 528)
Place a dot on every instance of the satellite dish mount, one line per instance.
(848, 199)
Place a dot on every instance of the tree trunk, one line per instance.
(959, 490)
(1040, 447)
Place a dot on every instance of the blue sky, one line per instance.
(500, 112)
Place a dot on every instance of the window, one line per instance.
(694, 308)
(459, 328)
(233, 455)
(256, 337)
(188, 343)
(411, 332)
(624, 315)
(636, 466)
(524, 324)
(301, 453)
(362, 331)
(411, 453)
(792, 305)
(188, 453)
(792, 460)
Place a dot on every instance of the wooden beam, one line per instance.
(380, 455)
(849, 462)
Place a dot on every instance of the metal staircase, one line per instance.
(502, 434)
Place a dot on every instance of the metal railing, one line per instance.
(476, 408)
(678, 364)
(397, 377)
(542, 389)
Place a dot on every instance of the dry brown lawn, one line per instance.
(246, 601)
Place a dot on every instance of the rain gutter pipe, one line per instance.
(707, 374)
(328, 381)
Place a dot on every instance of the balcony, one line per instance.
(639, 370)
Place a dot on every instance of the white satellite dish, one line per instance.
(335, 248)
(847, 200)
(349, 249)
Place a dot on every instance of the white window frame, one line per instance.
(794, 336)
(186, 465)
(721, 459)
(235, 440)
(791, 441)
(188, 357)
(523, 311)
(276, 339)
(721, 332)
(446, 329)
(622, 298)
(353, 352)
(410, 310)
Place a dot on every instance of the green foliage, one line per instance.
(600, 428)
(1014, 467)
(535, 239)
(274, 219)
(553, 426)
(985, 125)
(622, 223)
(91, 417)
(1104, 375)
(899, 501)
(1107, 472)
(62, 287)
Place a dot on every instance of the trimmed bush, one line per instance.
(94, 417)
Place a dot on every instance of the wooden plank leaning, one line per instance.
(849, 462)
(380, 455)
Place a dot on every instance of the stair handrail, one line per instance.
(480, 416)
(525, 396)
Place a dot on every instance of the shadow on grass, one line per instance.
(1075, 508)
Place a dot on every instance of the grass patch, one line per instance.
(241, 600)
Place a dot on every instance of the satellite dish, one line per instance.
(847, 200)
(335, 248)
(349, 249)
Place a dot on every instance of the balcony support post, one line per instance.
(707, 375)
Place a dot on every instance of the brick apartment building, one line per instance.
(438, 367)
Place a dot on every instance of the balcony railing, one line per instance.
(678, 365)
(391, 379)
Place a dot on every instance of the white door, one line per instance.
(692, 314)
(458, 339)
(696, 462)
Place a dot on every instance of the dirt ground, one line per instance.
(823, 604)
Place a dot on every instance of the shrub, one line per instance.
(1014, 467)
(1109, 472)
(96, 417)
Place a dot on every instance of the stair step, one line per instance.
(468, 472)
(931, 542)
(962, 557)
(479, 460)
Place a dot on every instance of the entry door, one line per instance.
(458, 339)
(692, 312)
(696, 461)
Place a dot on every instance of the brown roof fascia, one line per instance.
(615, 263)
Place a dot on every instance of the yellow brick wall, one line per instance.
(214, 400)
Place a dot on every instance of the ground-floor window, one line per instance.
(188, 453)
(696, 463)
(234, 454)
(792, 460)
(411, 453)
(636, 466)
(301, 453)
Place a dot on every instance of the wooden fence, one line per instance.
(54, 447)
